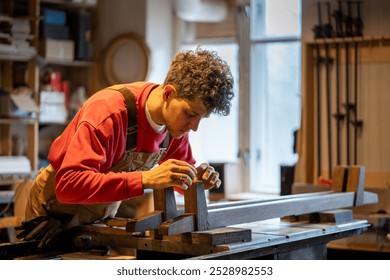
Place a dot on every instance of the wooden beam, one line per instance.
(275, 209)
(195, 203)
(164, 200)
(255, 201)
(356, 183)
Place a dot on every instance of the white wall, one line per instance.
(159, 37)
(372, 84)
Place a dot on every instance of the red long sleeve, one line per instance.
(96, 139)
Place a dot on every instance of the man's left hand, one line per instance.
(208, 175)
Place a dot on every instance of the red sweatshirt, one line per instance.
(96, 139)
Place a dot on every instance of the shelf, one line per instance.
(70, 63)
(69, 4)
(15, 57)
(17, 67)
(18, 121)
(370, 40)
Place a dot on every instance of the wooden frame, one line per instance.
(126, 59)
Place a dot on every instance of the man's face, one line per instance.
(182, 115)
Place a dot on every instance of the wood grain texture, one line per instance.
(276, 209)
(183, 223)
(149, 221)
(340, 177)
(225, 235)
(356, 183)
(164, 200)
(195, 203)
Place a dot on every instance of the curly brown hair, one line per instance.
(203, 74)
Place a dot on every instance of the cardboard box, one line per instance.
(53, 107)
(57, 49)
(17, 105)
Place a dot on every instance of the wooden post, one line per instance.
(356, 183)
(195, 203)
(340, 178)
(164, 200)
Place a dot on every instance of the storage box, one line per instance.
(53, 16)
(52, 107)
(17, 105)
(57, 49)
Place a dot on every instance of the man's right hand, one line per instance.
(170, 173)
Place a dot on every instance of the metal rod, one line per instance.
(328, 109)
(347, 105)
(356, 102)
(318, 74)
(338, 113)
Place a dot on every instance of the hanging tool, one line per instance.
(339, 117)
(319, 28)
(358, 22)
(339, 18)
(318, 33)
(349, 106)
(348, 20)
(328, 33)
(358, 31)
(357, 124)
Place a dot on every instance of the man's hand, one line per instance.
(170, 173)
(208, 175)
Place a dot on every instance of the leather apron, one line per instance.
(42, 196)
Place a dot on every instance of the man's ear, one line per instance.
(168, 90)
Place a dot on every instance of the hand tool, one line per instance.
(328, 33)
(339, 18)
(318, 33)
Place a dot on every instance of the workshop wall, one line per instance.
(117, 17)
(372, 84)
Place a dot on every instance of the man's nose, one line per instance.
(194, 124)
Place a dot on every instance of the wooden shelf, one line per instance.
(14, 57)
(70, 63)
(69, 4)
(370, 40)
(12, 64)
(18, 120)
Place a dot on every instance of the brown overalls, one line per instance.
(43, 189)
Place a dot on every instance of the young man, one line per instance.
(125, 139)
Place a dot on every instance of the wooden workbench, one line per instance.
(270, 239)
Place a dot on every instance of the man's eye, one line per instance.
(190, 115)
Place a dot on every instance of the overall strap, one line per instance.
(132, 126)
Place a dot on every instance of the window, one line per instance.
(275, 60)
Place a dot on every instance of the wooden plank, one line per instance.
(276, 209)
(164, 200)
(195, 203)
(5, 139)
(93, 256)
(356, 183)
(340, 177)
(117, 222)
(254, 201)
(106, 236)
(149, 221)
(10, 222)
(220, 236)
(183, 223)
